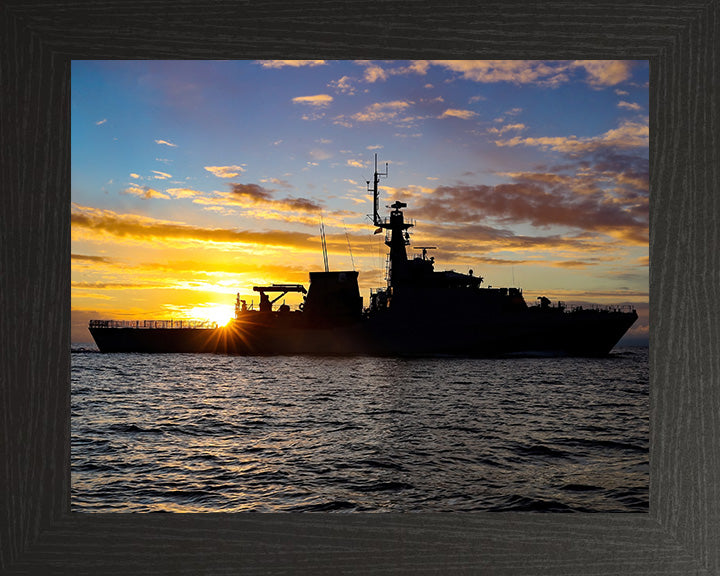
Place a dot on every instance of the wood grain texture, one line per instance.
(680, 535)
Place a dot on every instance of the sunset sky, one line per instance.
(192, 181)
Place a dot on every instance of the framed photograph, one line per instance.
(403, 376)
(52, 50)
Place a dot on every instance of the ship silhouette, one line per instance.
(420, 312)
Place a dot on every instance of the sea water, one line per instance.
(213, 433)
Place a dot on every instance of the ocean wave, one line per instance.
(199, 433)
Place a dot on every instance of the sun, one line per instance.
(220, 314)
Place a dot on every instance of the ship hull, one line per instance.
(588, 333)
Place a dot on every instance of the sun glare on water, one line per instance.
(218, 313)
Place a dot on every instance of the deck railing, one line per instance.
(603, 308)
(164, 324)
(594, 307)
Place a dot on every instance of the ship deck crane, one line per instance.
(266, 303)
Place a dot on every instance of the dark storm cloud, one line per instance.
(252, 192)
(301, 204)
(608, 196)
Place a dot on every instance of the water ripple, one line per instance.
(201, 433)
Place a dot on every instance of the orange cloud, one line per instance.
(605, 72)
(629, 105)
(628, 135)
(183, 192)
(572, 264)
(418, 67)
(214, 268)
(96, 220)
(407, 192)
(551, 73)
(209, 268)
(92, 259)
(316, 100)
(277, 182)
(145, 192)
(381, 111)
(343, 85)
(225, 171)
(166, 143)
(113, 285)
(374, 72)
(600, 73)
(514, 71)
(454, 113)
(506, 128)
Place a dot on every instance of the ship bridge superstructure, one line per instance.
(397, 237)
(403, 271)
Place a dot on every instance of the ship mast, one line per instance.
(398, 237)
(376, 178)
(324, 244)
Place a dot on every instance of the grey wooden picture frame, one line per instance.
(681, 532)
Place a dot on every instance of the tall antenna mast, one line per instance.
(324, 245)
(374, 190)
(349, 248)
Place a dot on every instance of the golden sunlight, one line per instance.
(221, 314)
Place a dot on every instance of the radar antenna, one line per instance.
(376, 178)
(425, 249)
